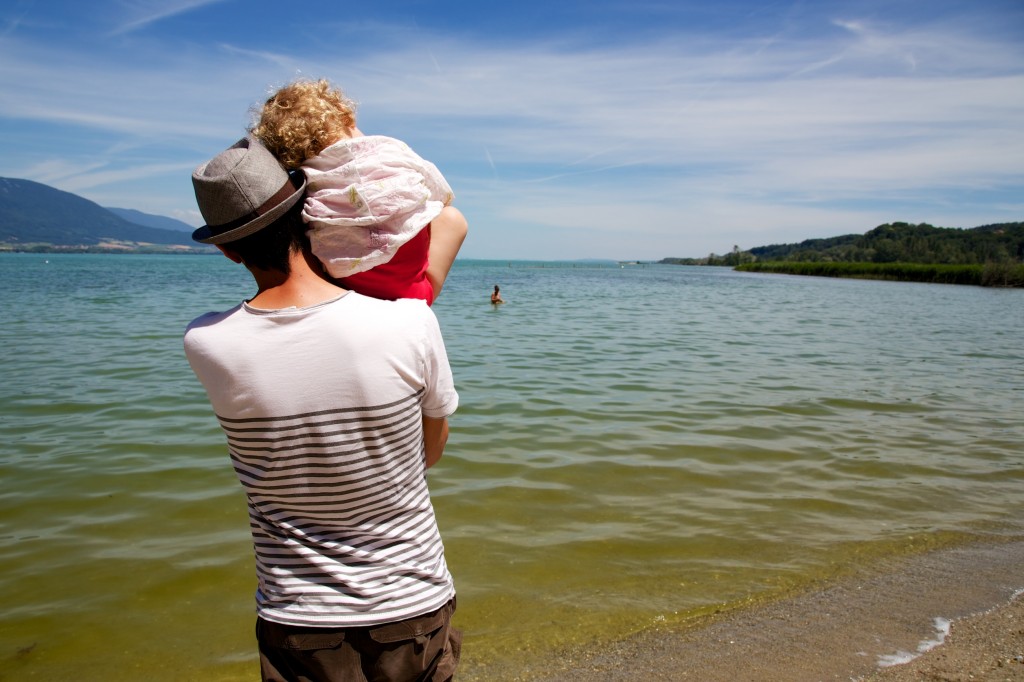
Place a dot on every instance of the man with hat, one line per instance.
(334, 405)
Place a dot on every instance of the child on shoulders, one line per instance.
(380, 216)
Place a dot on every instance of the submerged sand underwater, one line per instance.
(885, 626)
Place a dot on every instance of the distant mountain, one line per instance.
(33, 215)
(150, 220)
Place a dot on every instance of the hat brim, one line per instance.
(210, 235)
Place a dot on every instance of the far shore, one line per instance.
(109, 248)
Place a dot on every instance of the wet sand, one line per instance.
(987, 647)
(953, 614)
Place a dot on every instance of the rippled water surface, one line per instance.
(634, 446)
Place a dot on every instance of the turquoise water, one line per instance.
(635, 446)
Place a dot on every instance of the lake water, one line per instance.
(636, 446)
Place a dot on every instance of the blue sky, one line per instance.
(601, 129)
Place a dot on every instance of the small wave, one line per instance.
(942, 626)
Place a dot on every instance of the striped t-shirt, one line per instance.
(322, 410)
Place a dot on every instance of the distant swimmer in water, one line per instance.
(496, 296)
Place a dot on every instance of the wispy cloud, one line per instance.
(10, 25)
(114, 176)
(142, 13)
(723, 137)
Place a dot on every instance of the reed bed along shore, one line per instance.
(991, 274)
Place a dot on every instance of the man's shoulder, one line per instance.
(401, 306)
(412, 315)
(211, 318)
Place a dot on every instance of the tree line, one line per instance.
(990, 255)
(907, 243)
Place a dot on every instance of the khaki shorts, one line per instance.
(421, 649)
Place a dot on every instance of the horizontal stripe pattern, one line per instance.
(343, 528)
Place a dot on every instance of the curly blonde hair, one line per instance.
(302, 119)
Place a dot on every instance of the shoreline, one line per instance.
(988, 646)
(852, 629)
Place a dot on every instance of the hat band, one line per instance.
(286, 191)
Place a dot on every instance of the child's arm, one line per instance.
(447, 232)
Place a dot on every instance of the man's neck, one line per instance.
(305, 285)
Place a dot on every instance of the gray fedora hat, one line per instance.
(242, 190)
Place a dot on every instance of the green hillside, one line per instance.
(907, 243)
(990, 255)
(34, 216)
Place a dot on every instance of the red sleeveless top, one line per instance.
(404, 276)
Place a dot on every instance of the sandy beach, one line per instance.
(987, 647)
(953, 614)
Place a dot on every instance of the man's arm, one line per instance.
(435, 435)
